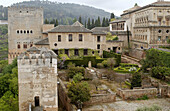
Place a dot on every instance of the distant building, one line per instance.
(149, 25)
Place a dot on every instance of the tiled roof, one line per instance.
(77, 23)
(70, 28)
(43, 42)
(118, 20)
(100, 30)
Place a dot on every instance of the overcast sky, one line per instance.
(116, 6)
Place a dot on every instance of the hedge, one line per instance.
(84, 62)
(125, 70)
(111, 55)
(128, 65)
(160, 72)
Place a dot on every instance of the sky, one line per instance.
(116, 6)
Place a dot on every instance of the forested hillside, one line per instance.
(64, 12)
(3, 42)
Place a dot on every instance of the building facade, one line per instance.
(149, 25)
(24, 29)
(37, 80)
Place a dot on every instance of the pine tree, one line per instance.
(112, 16)
(46, 21)
(56, 23)
(89, 24)
(80, 20)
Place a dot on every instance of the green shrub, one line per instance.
(145, 97)
(75, 70)
(63, 56)
(136, 80)
(78, 92)
(155, 58)
(152, 108)
(160, 72)
(100, 65)
(70, 64)
(105, 63)
(78, 77)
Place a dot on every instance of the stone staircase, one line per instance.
(132, 60)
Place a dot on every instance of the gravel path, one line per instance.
(131, 105)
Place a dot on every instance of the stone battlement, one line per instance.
(15, 8)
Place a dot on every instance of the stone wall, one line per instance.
(101, 98)
(136, 93)
(137, 53)
(164, 90)
(64, 99)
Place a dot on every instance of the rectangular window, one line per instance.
(59, 38)
(108, 48)
(25, 46)
(85, 51)
(70, 38)
(19, 46)
(66, 52)
(80, 37)
(76, 52)
(159, 38)
(98, 46)
(167, 37)
(98, 38)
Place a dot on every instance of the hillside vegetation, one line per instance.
(3, 42)
(64, 12)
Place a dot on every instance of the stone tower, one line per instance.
(37, 80)
(24, 29)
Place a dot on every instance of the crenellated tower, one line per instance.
(37, 79)
(24, 29)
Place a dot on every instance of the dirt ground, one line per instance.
(120, 105)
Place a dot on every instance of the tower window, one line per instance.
(59, 38)
(31, 32)
(98, 38)
(24, 31)
(20, 11)
(21, 31)
(70, 37)
(27, 31)
(85, 51)
(76, 52)
(80, 37)
(17, 31)
(159, 31)
(98, 46)
(167, 31)
(18, 46)
(25, 46)
(27, 11)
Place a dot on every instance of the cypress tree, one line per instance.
(52, 21)
(85, 24)
(93, 25)
(56, 23)
(104, 22)
(99, 23)
(96, 23)
(107, 22)
(46, 21)
(80, 19)
(89, 24)
(112, 16)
